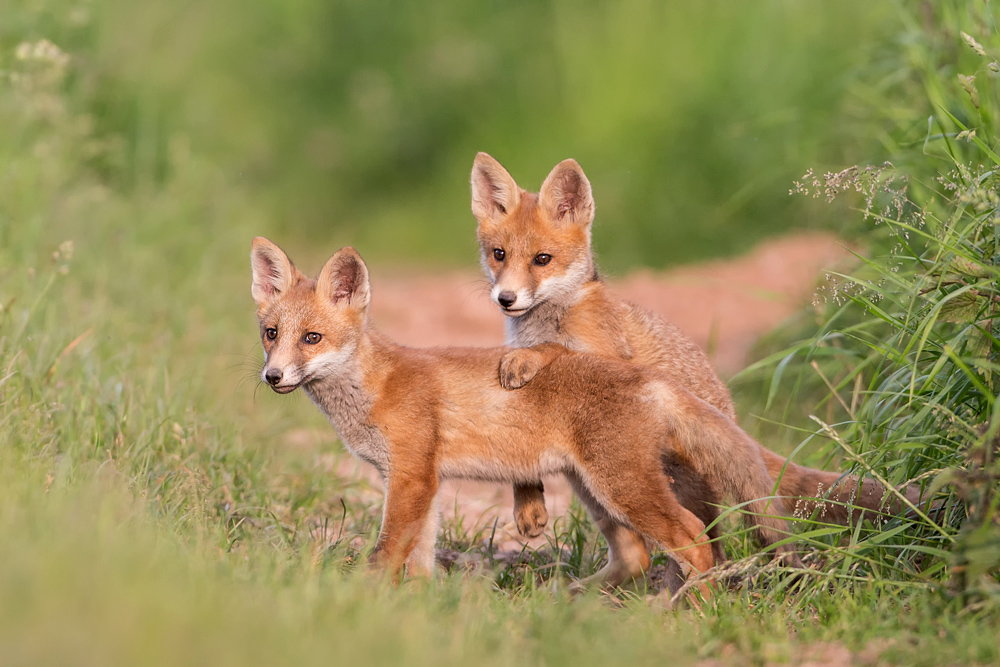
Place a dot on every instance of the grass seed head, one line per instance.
(973, 44)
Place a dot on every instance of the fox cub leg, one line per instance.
(407, 518)
(521, 364)
(529, 509)
(628, 556)
(421, 561)
(650, 507)
(517, 368)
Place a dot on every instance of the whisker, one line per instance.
(256, 387)
(247, 377)
(249, 358)
(481, 291)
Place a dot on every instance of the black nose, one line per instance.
(506, 299)
(273, 376)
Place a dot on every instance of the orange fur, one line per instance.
(421, 415)
(564, 301)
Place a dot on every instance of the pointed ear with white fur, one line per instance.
(566, 194)
(494, 192)
(344, 279)
(273, 272)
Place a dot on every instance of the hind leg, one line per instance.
(725, 454)
(697, 495)
(628, 552)
(645, 502)
(628, 556)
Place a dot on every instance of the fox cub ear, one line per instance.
(494, 192)
(273, 273)
(566, 194)
(344, 278)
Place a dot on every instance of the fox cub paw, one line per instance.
(529, 510)
(517, 367)
(531, 520)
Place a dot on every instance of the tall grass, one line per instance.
(898, 370)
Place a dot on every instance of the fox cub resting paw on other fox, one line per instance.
(536, 252)
(619, 432)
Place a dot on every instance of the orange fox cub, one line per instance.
(535, 248)
(422, 415)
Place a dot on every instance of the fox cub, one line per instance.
(536, 252)
(419, 416)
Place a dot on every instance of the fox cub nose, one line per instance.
(273, 376)
(506, 299)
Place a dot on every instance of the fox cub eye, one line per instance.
(542, 259)
(271, 333)
(498, 254)
(312, 338)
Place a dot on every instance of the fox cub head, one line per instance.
(310, 329)
(535, 248)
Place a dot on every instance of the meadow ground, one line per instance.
(145, 526)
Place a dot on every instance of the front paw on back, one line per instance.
(517, 368)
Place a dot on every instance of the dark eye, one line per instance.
(498, 254)
(271, 333)
(542, 259)
(312, 338)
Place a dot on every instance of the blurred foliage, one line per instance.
(357, 122)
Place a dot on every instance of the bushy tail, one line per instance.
(839, 498)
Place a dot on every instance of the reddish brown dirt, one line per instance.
(724, 305)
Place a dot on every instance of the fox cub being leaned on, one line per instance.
(423, 415)
(535, 249)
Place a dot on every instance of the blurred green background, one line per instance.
(357, 122)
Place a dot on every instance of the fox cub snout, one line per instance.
(534, 247)
(305, 333)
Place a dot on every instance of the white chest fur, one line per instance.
(537, 326)
(348, 407)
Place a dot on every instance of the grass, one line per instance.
(156, 509)
(896, 362)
